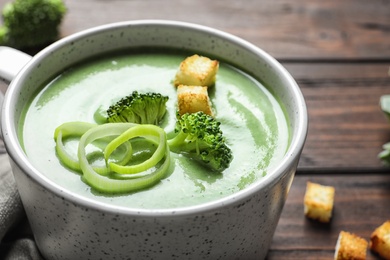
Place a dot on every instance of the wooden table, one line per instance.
(339, 53)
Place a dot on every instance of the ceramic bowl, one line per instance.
(69, 226)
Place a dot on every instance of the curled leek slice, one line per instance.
(65, 130)
(77, 129)
(151, 133)
(110, 185)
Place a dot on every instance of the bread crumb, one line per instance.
(192, 99)
(350, 247)
(197, 70)
(318, 202)
(380, 240)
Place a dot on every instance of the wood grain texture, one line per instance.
(362, 202)
(346, 125)
(299, 29)
(339, 54)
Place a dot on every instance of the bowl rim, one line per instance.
(16, 153)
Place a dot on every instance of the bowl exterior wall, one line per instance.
(65, 230)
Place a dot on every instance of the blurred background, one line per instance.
(298, 29)
(338, 51)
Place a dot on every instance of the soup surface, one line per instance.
(252, 121)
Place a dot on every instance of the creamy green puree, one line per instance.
(252, 121)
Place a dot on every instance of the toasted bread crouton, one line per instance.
(380, 240)
(197, 71)
(318, 202)
(350, 247)
(191, 99)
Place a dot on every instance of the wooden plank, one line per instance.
(299, 29)
(361, 204)
(3, 86)
(346, 126)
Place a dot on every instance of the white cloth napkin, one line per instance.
(16, 238)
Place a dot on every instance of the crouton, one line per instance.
(350, 247)
(318, 202)
(197, 71)
(191, 99)
(380, 240)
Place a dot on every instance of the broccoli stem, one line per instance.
(177, 142)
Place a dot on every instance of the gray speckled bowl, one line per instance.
(68, 226)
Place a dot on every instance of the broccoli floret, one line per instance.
(148, 108)
(31, 23)
(199, 136)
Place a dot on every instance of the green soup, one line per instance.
(252, 120)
